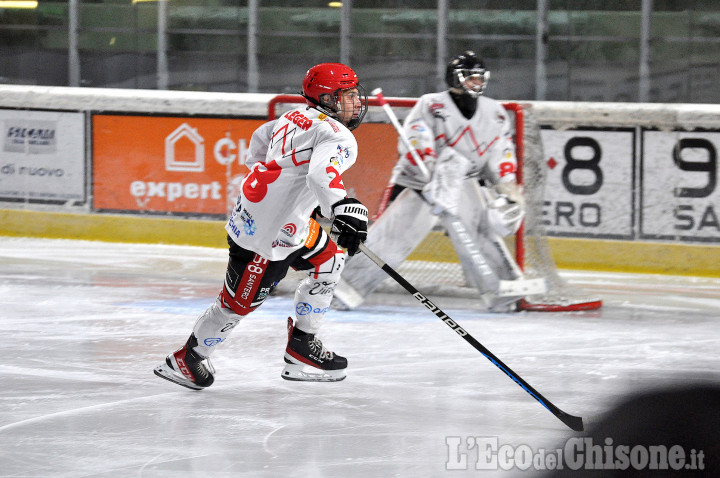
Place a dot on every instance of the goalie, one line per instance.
(466, 178)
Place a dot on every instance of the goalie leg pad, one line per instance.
(485, 257)
(474, 263)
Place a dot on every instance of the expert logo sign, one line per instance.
(190, 134)
(168, 164)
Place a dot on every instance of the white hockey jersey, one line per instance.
(482, 146)
(306, 153)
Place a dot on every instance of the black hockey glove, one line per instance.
(349, 228)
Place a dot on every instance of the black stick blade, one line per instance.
(575, 423)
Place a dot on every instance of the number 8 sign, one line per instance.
(589, 183)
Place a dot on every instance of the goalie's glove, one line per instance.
(505, 216)
(349, 227)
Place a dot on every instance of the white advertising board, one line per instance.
(42, 156)
(589, 184)
(679, 194)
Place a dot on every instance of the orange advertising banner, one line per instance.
(377, 154)
(189, 165)
(168, 164)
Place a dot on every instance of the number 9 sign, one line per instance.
(680, 197)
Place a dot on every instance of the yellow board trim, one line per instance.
(579, 254)
(113, 227)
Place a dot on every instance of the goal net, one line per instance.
(434, 265)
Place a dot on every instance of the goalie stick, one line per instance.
(575, 423)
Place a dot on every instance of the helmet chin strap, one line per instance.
(323, 108)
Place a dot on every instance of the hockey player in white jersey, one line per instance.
(296, 166)
(464, 140)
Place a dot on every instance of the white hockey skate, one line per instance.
(306, 360)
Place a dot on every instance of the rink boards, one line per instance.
(630, 187)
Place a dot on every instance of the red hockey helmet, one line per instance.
(322, 86)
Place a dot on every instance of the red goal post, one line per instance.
(377, 142)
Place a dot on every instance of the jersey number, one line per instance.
(255, 187)
(336, 181)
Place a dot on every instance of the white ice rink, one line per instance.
(82, 324)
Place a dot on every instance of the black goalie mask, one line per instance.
(466, 74)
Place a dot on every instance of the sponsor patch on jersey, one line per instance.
(343, 151)
(313, 234)
(328, 120)
(248, 223)
(436, 106)
(233, 227)
(289, 229)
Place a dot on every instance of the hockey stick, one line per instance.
(575, 423)
(377, 92)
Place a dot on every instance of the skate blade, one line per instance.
(163, 371)
(307, 373)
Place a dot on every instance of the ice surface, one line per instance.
(83, 324)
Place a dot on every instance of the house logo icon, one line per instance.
(185, 133)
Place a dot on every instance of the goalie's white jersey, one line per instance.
(306, 154)
(481, 146)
